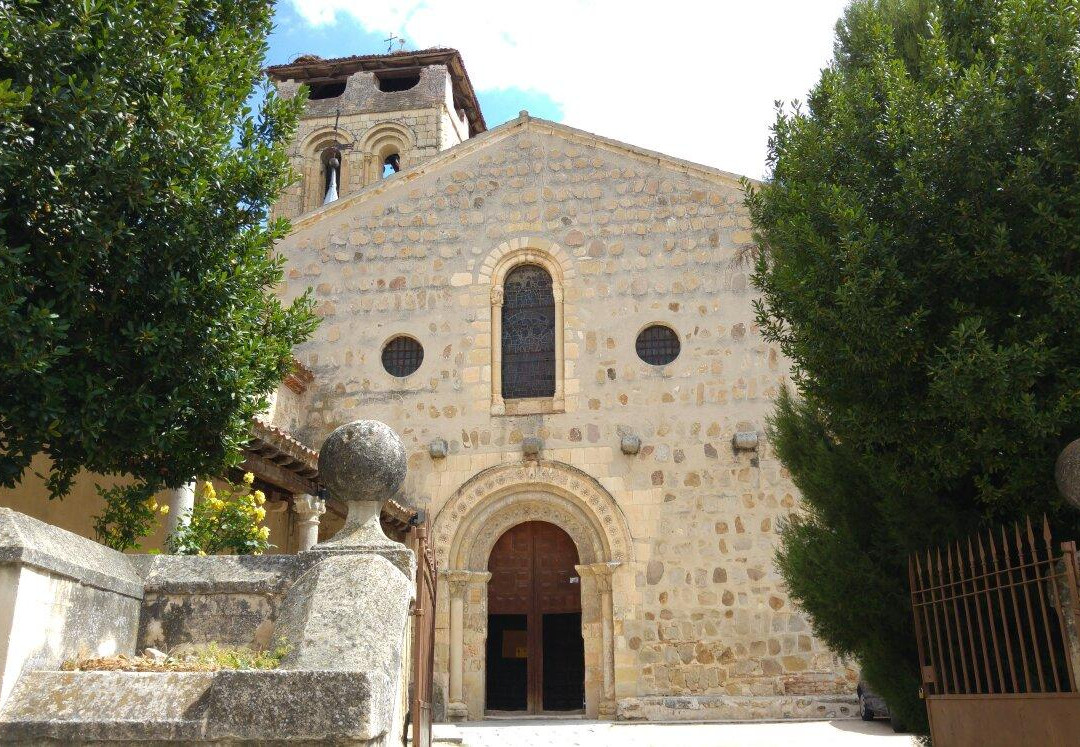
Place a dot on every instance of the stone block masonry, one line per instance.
(631, 239)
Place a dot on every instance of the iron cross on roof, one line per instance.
(390, 43)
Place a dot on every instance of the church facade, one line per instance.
(555, 324)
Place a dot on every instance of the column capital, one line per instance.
(458, 579)
(308, 506)
(497, 295)
(599, 571)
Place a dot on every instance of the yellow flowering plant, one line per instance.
(226, 519)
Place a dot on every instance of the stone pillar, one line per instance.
(457, 581)
(181, 501)
(458, 701)
(601, 576)
(308, 508)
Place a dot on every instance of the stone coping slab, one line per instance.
(217, 574)
(27, 541)
(239, 706)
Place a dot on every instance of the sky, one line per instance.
(695, 79)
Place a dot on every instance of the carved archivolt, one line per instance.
(501, 497)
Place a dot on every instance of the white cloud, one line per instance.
(691, 78)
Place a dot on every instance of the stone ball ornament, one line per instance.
(1067, 473)
(362, 464)
(362, 461)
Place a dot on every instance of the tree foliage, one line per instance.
(919, 265)
(138, 328)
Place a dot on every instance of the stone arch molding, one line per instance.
(325, 136)
(382, 140)
(387, 133)
(526, 250)
(501, 497)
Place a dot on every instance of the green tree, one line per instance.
(919, 245)
(139, 332)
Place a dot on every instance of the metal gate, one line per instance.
(996, 620)
(423, 643)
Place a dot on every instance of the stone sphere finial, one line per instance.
(1067, 473)
(362, 461)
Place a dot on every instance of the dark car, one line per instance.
(872, 706)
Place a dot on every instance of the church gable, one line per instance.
(531, 177)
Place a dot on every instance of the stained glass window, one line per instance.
(528, 334)
(658, 345)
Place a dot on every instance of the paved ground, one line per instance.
(578, 732)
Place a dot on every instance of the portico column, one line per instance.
(181, 501)
(309, 508)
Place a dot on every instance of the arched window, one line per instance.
(391, 165)
(331, 160)
(386, 148)
(528, 334)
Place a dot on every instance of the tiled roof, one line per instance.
(286, 444)
(289, 453)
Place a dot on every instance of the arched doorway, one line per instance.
(535, 651)
(465, 531)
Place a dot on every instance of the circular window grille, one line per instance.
(658, 345)
(402, 356)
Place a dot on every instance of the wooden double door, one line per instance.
(535, 653)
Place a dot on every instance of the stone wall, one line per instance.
(342, 615)
(61, 597)
(635, 238)
(232, 600)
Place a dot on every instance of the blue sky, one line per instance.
(344, 36)
(695, 79)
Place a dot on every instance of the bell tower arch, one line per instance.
(384, 113)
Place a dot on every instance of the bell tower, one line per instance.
(368, 117)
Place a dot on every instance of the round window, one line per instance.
(402, 356)
(658, 345)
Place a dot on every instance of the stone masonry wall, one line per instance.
(701, 612)
(423, 112)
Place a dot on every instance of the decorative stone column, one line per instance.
(498, 406)
(308, 508)
(458, 581)
(601, 577)
(181, 501)
(560, 364)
